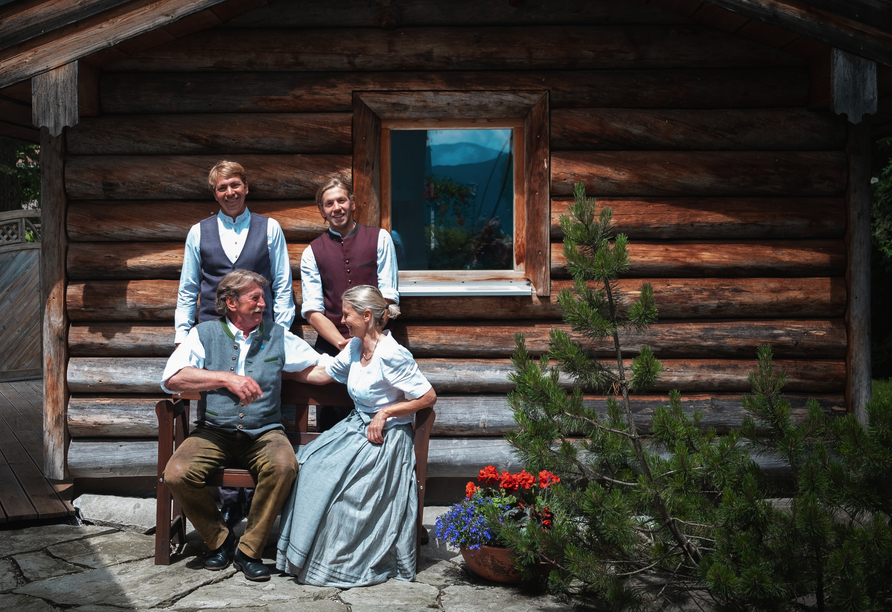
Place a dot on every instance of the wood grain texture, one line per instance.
(539, 47)
(163, 260)
(858, 246)
(537, 190)
(92, 34)
(683, 298)
(360, 13)
(135, 177)
(726, 259)
(735, 218)
(793, 338)
(139, 260)
(53, 278)
(457, 415)
(366, 171)
(333, 92)
(54, 98)
(22, 22)
(170, 220)
(689, 173)
(306, 133)
(629, 129)
(22, 325)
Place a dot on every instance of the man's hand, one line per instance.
(245, 387)
(195, 379)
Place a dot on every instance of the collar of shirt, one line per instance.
(350, 233)
(243, 220)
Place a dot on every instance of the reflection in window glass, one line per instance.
(452, 199)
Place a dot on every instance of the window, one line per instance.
(461, 179)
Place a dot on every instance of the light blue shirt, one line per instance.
(311, 282)
(233, 235)
(298, 354)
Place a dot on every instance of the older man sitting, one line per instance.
(236, 363)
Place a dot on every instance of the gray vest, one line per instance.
(215, 265)
(221, 409)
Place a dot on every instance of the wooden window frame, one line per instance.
(374, 113)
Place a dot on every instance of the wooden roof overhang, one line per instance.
(38, 36)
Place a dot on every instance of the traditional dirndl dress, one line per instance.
(350, 520)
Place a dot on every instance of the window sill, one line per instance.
(418, 287)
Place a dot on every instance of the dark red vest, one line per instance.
(345, 263)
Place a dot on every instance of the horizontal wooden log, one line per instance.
(101, 376)
(164, 260)
(803, 338)
(151, 221)
(457, 415)
(140, 260)
(628, 129)
(726, 259)
(281, 92)
(310, 133)
(683, 298)
(469, 48)
(679, 218)
(691, 173)
(446, 458)
(136, 177)
(662, 218)
(360, 13)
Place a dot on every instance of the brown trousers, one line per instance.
(270, 456)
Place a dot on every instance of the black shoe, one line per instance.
(254, 569)
(232, 514)
(220, 558)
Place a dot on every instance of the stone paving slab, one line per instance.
(16, 541)
(20, 603)
(238, 592)
(7, 575)
(443, 574)
(40, 566)
(140, 584)
(392, 596)
(106, 550)
(132, 513)
(497, 599)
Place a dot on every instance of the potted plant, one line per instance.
(470, 525)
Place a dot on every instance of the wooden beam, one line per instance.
(95, 33)
(54, 99)
(366, 162)
(840, 32)
(853, 85)
(26, 20)
(54, 247)
(536, 197)
(858, 237)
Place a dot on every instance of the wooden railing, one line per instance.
(15, 227)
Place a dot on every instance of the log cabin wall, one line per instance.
(730, 190)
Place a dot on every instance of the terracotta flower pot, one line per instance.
(493, 563)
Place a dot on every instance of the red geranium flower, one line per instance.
(470, 489)
(508, 482)
(546, 478)
(489, 475)
(524, 479)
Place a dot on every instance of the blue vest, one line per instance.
(215, 265)
(220, 408)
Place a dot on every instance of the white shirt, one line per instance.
(298, 354)
(311, 282)
(390, 377)
(233, 235)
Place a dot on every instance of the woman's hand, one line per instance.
(375, 431)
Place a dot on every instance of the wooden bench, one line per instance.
(173, 428)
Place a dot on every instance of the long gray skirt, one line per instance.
(350, 520)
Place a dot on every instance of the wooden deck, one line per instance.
(25, 495)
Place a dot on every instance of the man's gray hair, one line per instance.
(366, 297)
(234, 285)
